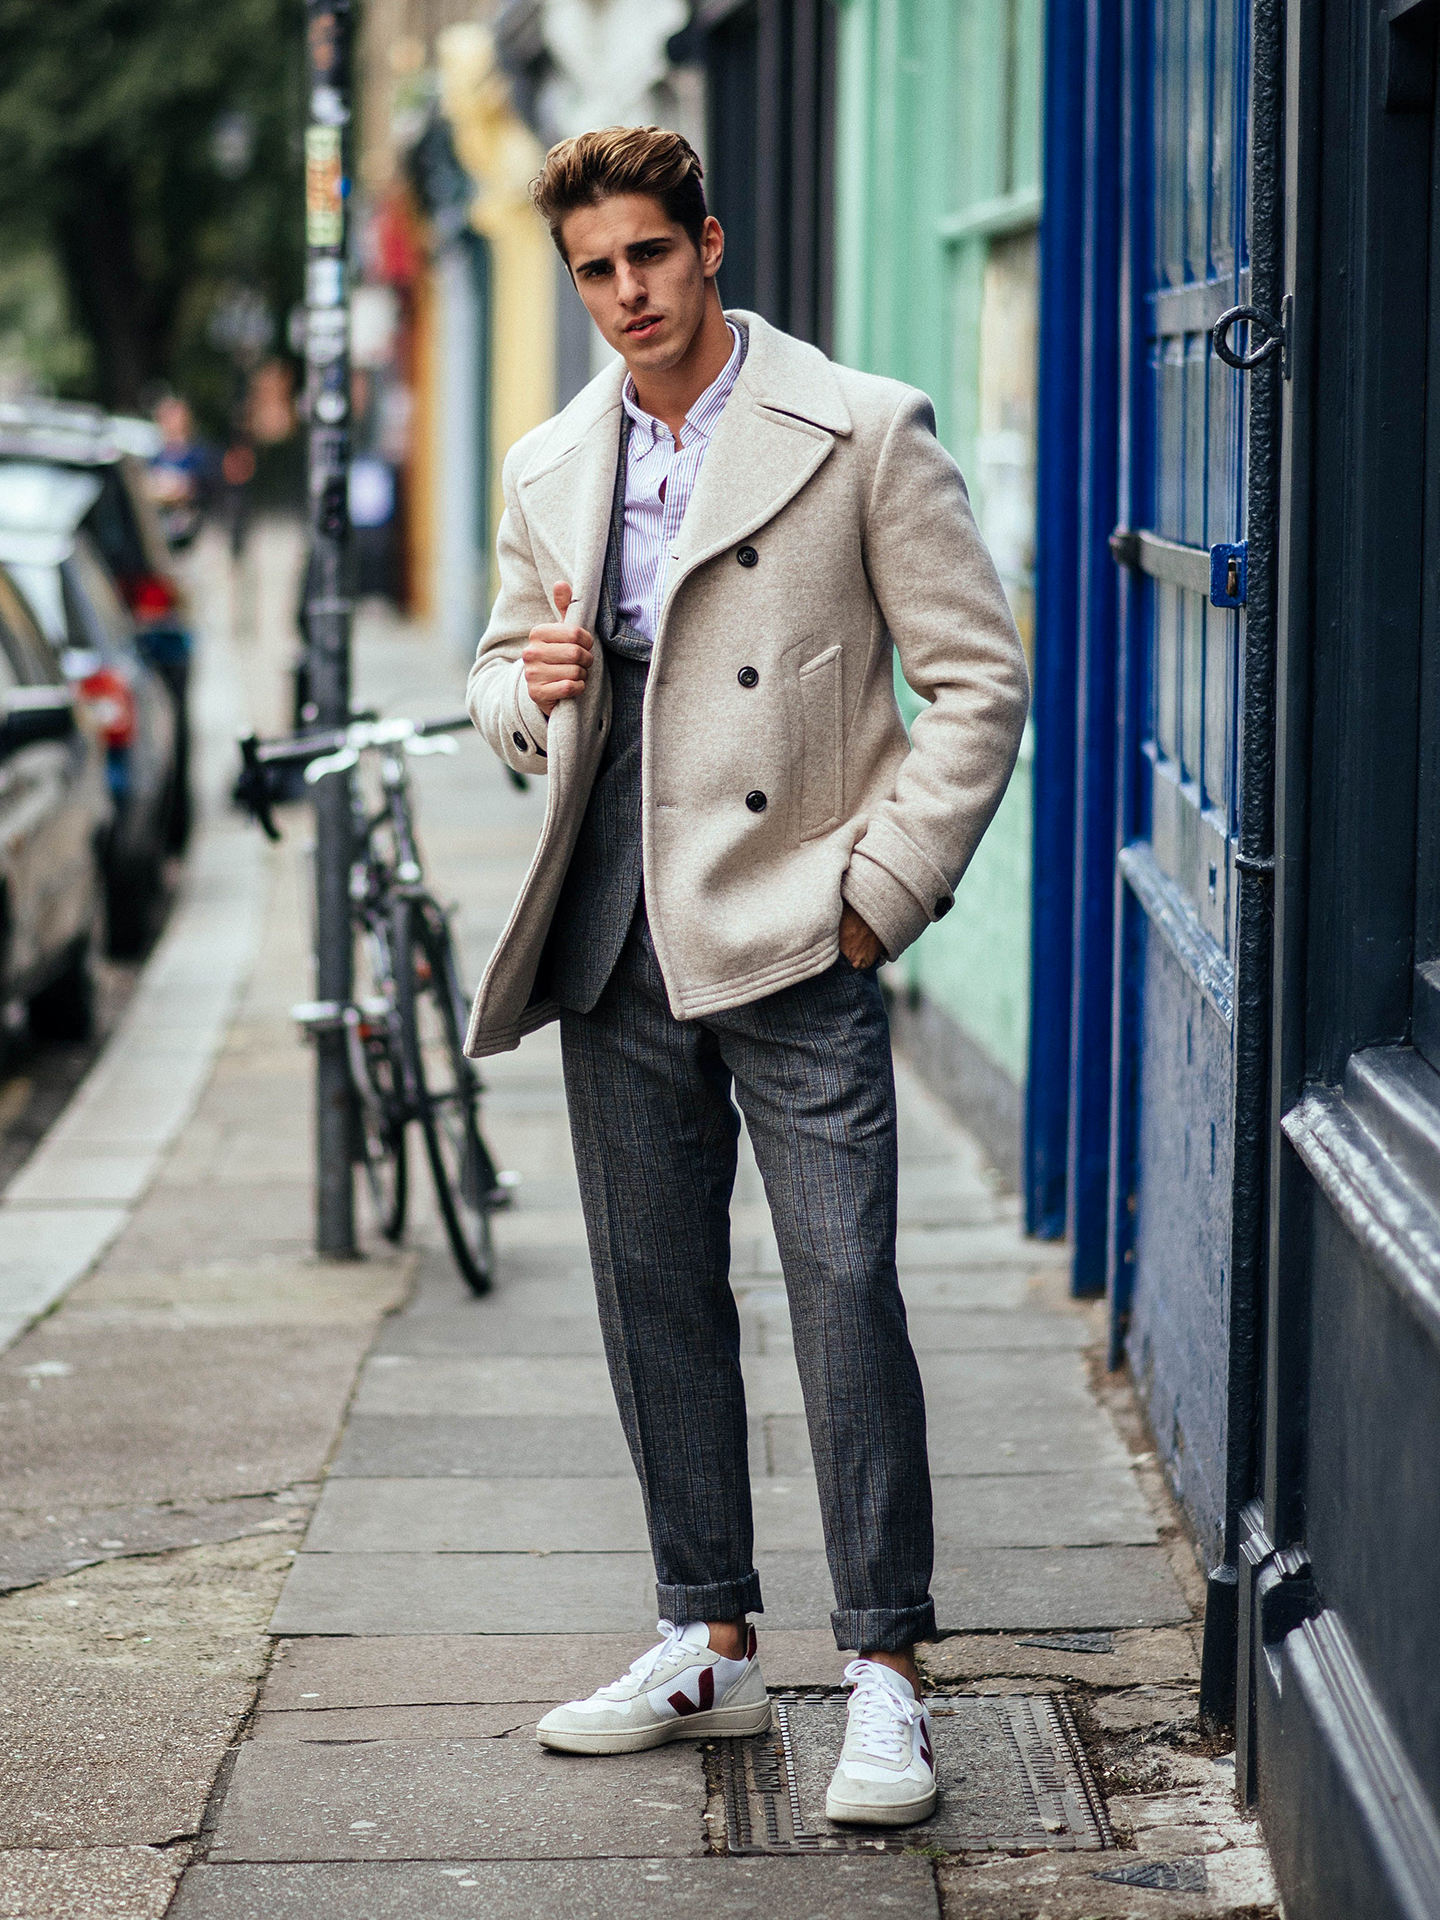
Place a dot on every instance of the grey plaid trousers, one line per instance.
(655, 1132)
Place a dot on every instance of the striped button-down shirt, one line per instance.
(659, 481)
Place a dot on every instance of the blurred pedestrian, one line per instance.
(742, 831)
(184, 474)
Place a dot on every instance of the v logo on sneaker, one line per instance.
(705, 1686)
(925, 1746)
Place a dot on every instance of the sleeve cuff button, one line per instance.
(521, 742)
(943, 906)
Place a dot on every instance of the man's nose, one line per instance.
(630, 287)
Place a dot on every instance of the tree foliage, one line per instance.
(109, 114)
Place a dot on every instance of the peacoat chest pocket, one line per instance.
(822, 774)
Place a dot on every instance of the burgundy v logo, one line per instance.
(926, 1749)
(683, 1704)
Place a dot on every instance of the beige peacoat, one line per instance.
(827, 526)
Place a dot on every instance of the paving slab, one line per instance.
(100, 1883)
(1157, 1655)
(1002, 1289)
(455, 1799)
(855, 1888)
(765, 1320)
(993, 1243)
(319, 1675)
(384, 1445)
(1073, 1589)
(955, 1330)
(104, 1754)
(350, 1726)
(467, 1593)
(51, 1545)
(479, 1516)
(573, 1515)
(1095, 1508)
(246, 1413)
(471, 1329)
(992, 1590)
(555, 1388)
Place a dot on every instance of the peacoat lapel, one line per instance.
(567, 497)
(777, 429)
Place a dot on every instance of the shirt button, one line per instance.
(756, 801)
(521, 742)
(748, 677)
(747, 556)
(943, 906)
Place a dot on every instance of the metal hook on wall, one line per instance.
(1276, 340)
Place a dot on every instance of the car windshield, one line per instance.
(36, 497)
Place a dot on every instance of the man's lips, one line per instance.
(641, 328)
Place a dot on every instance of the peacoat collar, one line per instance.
(777, 429)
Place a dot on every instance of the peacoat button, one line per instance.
(756, 801)
(521, 742)
(747, 556)
(748, 677)
(943, 906)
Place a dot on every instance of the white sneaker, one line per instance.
(886, 1775)
(680, 1690)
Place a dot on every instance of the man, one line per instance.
(705, 561)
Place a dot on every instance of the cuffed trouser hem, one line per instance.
(882, 1629)
(720, 1600)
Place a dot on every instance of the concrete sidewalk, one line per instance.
(477, 1551)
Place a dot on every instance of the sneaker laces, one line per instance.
(641, 1669)
(878, 1713)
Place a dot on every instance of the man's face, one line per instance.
(642, 279)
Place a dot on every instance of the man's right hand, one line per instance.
(557, 658)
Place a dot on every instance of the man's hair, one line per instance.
(612, 160)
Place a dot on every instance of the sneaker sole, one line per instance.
(901, 1813)
(721, 1723)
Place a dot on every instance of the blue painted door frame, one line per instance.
(1068, 1087)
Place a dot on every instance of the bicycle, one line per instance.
(404, 1026)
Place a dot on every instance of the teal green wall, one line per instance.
(938, 198)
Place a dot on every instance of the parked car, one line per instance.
(55, 811)
(45, 514)
(124, 524)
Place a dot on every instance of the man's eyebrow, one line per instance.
(634, 247)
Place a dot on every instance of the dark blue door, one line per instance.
(1183, 514)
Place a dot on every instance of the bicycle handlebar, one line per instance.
(252, 788)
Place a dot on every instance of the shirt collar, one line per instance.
(700, 420)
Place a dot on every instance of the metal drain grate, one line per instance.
(1012, 1778)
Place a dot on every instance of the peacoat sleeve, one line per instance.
(950, 622)
(496, 694)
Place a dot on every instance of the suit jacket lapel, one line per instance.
(567, 499)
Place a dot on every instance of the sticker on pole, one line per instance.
(324, 188)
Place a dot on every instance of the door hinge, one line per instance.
(1229, 567)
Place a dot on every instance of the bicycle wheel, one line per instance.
(443, 1086)
(378, 1074)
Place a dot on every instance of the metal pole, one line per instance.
(329, 25)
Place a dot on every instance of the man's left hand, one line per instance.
(858, 944)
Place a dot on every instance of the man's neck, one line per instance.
(669, 396)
